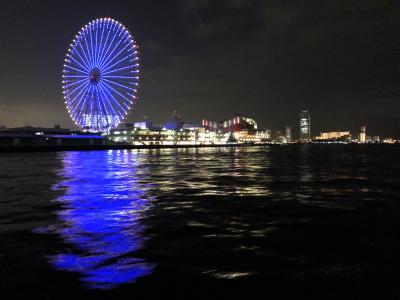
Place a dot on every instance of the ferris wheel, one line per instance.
(100, 75)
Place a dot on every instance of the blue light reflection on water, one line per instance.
(103, 203)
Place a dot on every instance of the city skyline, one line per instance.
(187, 49)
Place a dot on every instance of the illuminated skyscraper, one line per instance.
(305, 126)
(363, 134)
(288, 134)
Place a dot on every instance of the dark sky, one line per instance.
(339, 59)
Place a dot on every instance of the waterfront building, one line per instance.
(279, 137)
(288, 134)
(344, 136)
(176, 122)
(143, 125)
(211, 125)
(245, 130)
(48, 137)
(238, 123)
(305, 126)
(375, 139)
(389, 141)
(198, 136)
(363, 134)
(239, 129)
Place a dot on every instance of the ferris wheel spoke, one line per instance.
(99, 33)
(115, 103)
(91, 47)
(104, 91)
(105, 51)
(118, 62)
(75, 101)
(106, 60)
(85, 69)
(115, 47)
(95, 45)
(107, 89)
(94, 104)
(106, 65)
(75, 76)
(88, 51)
(105, 111)
(85, 49)
(120, 69)
(99, 116)
(121, 77)
(118, 93)
(84, 54)
(103, 47)
(100, 44)
(83, 93)
(120, 85)
(108, 48)
(84, 99)
(71, 84)
(81, 86)
(113, 114)
(76, 69)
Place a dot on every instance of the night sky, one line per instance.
(212, 59)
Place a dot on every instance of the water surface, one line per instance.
(281, 221)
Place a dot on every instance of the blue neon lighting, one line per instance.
(100, 75)
(103, 203)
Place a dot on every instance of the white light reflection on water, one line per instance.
(210, 171)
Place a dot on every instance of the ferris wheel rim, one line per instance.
(100, 75)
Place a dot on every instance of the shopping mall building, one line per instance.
(238, 130)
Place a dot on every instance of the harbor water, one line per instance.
(316, 221)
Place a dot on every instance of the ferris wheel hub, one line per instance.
(95, 75)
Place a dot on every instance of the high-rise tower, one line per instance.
(288, 133)
(305, 126)
(363, 134)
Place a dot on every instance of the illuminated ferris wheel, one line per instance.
(100, 75)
